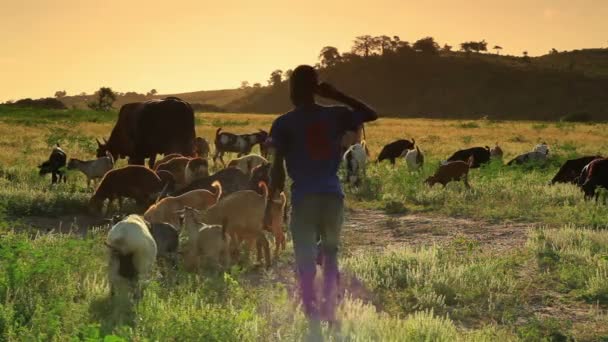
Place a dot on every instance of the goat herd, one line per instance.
(217, 214)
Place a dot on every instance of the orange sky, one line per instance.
(184, 45)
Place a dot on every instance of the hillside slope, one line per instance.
(218, 98)
(457, 86)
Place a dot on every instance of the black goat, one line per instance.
(54, 165)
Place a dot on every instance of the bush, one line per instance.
(44, 103)
(577, 117)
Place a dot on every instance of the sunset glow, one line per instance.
(189, 45)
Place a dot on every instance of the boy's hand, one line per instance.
(328, 91)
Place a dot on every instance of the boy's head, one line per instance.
(302, 85)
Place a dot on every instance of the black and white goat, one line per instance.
(237, 143)
(54, 165)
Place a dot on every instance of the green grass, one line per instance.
(54, 288)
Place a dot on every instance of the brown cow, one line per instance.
(145, 129)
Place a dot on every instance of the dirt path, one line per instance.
(375, 230)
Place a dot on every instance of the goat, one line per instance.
(209, 242)
(165, 159)
(231, 179)
(196, 168)
(132, 254)
(247, 163)
(277, 214)
(241, 144)
(93, 169)
(395, 149)
(133, 181)
(414, 159)
(571, 170)
(597, 176)
(496, 152)
(355, 160)
(542, 148)
(165, 209)
(242, 214)
(54, 165)
(480, 155)
(452, 171)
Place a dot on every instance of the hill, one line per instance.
(218, 98)
(461, 85)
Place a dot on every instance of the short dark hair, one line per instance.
(302, 84)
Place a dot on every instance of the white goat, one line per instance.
(414, 159)
(355, 159)
(132, 253)
(93, 169)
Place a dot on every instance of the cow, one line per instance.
(145, 129)
(481, 155)
(572, 169)
(395, 150)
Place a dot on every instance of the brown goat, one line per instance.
(177, 166)
(133, 181)
(242, 214)
(451, 171)
(277, 213)
(165, 209)
(165, 159)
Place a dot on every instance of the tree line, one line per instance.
(368, 46)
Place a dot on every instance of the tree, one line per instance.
(553, 51)
(104, 101)
(329, 56)
(474, 46)
(152, 92)
(60, 93)
(525, 57)
(364, 45)
(275, 78)
(446, 48)
(257, 85)
(287, 74)
(426, 45)
(83, 94)
(384, 43)
(497, 48)
(244, 85)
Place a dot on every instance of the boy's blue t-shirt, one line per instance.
(310, 139)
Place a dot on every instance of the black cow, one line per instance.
(54, 165)
(572, 169)
(481, 155)
(597, 177)
(395, 150)
(145, 129)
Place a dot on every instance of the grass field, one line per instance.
(550, 284)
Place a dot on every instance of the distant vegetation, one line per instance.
(420, 79)
(424, 79)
